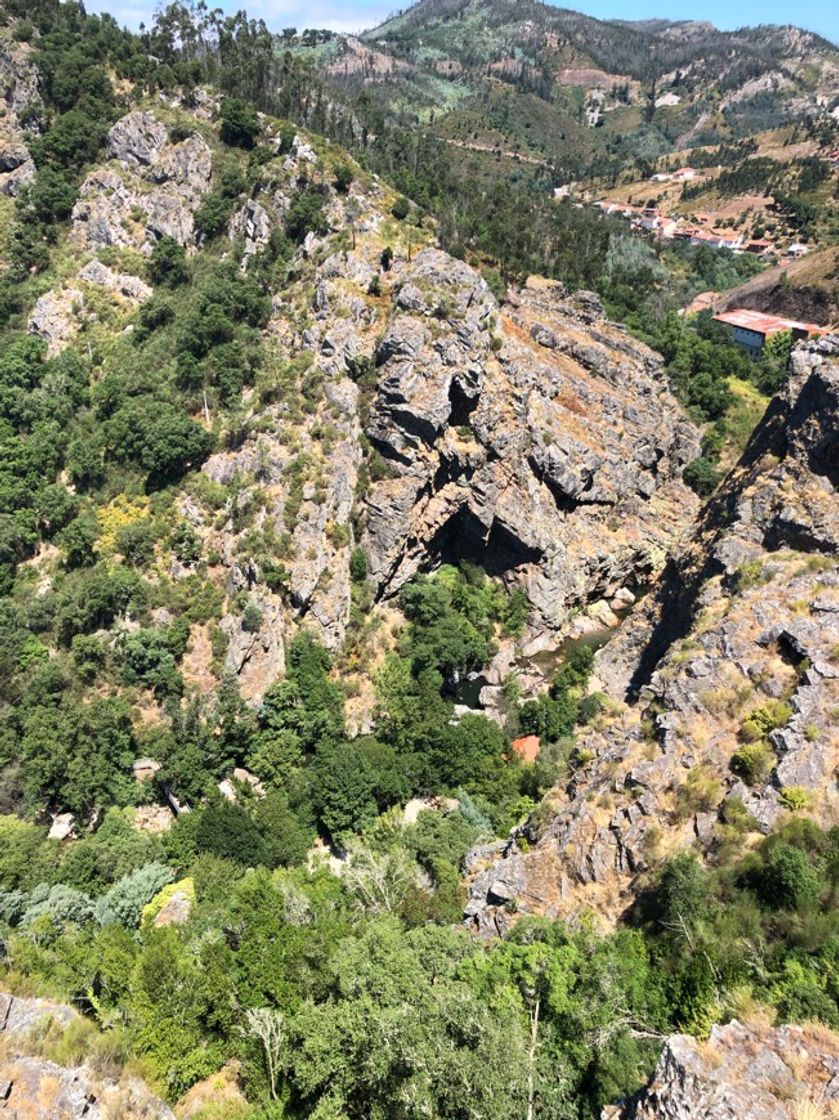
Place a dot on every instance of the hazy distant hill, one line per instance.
(518, 76)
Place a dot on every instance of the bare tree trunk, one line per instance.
(531, 1058)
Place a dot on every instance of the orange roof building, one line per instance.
(752, 328)
(527, 747)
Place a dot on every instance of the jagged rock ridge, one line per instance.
(745, 620)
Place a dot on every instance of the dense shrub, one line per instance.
(124, 902)
(239, 123)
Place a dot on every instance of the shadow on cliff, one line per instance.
(674, 606)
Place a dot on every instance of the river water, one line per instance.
(547, 663)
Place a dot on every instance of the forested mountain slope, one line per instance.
(556, 84)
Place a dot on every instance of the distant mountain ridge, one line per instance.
(552, 83)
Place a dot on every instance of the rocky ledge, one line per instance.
(33, 1088)
(742, 1073)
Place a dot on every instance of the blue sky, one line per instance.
(355, 15)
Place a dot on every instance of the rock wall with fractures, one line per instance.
(150, 190)
(402, 410)
(538, 440)
(741, 1073)
(742, 626)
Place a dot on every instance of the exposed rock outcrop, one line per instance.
(408, 415)
(17, 168)
(559, 467)
(252, 223)
(55, 318)
(19, 84)
(739, 643)
(19, 1017)
(18, 74)
(152, 190)
(543, 441)
(38, 1088)
(123, 284)
(60, 314)
(741, 1073)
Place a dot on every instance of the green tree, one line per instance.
(227, 830)
(701, 476)
(344, 176)
(124, 902)
(306, 215)
(239, 123)
(787, 881)
(168, 264)
(343, 788)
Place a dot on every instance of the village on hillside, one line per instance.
(701, 227)
(748, 198)
(740, 219)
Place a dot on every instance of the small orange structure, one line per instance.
(527, 747)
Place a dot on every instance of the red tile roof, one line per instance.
(765, 324)
(528, 746)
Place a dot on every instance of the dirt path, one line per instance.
(476, 146)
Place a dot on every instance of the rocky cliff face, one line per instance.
(540, 441)
(738, 644)
(34, 1088)
(405, 412)
(19, 80)
(741, 1073)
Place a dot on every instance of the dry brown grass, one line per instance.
(810, 1109)
(711, 1054)
(749, 1011)
(821, 1034)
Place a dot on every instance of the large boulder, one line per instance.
(138, 139)
(55, 318)
(741, 1073)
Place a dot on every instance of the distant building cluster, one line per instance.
(683, 175)
(700, 231)
(700, 228)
